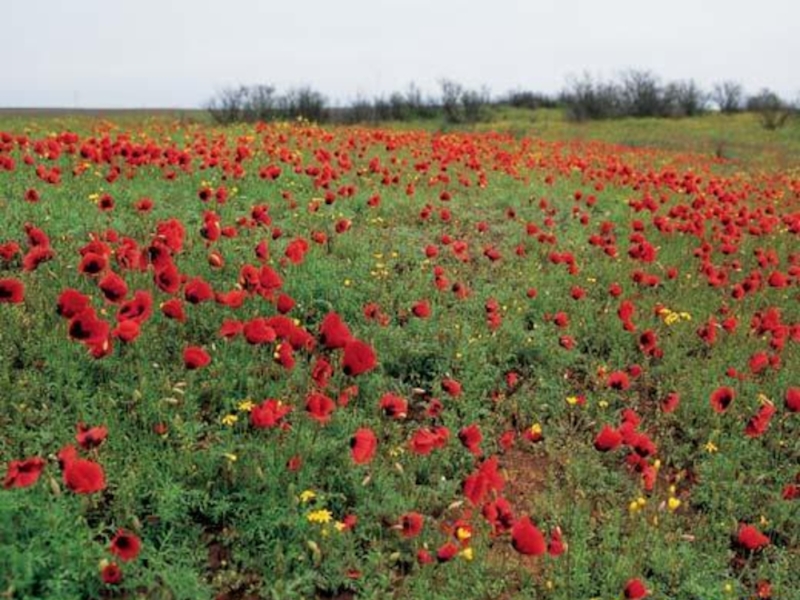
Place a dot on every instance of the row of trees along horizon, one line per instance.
(633, 94)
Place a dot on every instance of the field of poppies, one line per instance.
(286, 361)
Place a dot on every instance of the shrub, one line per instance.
(684, 99)
(259, 103)
(463, 106)
(589, 100)
(771, 110)
(530, 100)
(305, 103)
(361, 110)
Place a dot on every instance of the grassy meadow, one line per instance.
(527, 359)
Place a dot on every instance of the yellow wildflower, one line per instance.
(711, 447)
(246, 405)
(307, 496)
(673, 504)
(467, 554)
(229, 420)
(671, 318)
(323, 515)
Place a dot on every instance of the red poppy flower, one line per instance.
(527, 539)
(358, 358)
(750, 538)
(759, 423)
(297, 248)
(556, 545)
(71, 302)
(471, 438)
(451, 387)
(173, 309)
(84, 476)
(90, 437)
(618, 380)
(168, 278)
(256, 331)
(127, 331)
(421, 309)
(485, 479)
(92, 264)
(320, 407)
(232, 299)
(721, 398)
(36, 256)
(506, 439)
(113, 287)
(111, 574)
(567, 342)
(411, 524)
(139, 308)
(9, 250)
(198, 290)
(36, 237)
(195, 357)
(671, 402)
(499, 514)
(23, 473)
(12, 291)
(125, 545)
(86, 327)
(363, 446)
(791, 399)
(269, 280)
(425, 440)
(446, 552)
(31, 195)
(608, 439)
(333, 332)
(230, 328)
(284, 355)
(269, 413)
(393, 406)
(106, 202)
(144, 205)
(634, 589)
(284, 304)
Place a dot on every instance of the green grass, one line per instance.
(219, 512)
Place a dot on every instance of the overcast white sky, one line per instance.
(176, 53)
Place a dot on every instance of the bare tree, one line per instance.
(451, 100)
(728, 96)
(642, 94)
(684, 99)
(228, 105)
